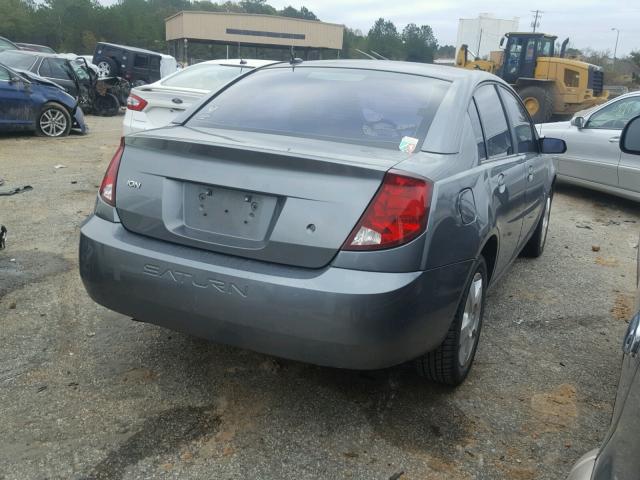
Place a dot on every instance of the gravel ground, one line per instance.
(87, 393)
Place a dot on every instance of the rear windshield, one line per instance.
(204, 76)
(364, 107)
(15, 59)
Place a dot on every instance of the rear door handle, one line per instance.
(614, 139)
(530, 175)
(176, 100)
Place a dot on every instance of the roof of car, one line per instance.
(126, 47)
(248, 62)
(442, 72)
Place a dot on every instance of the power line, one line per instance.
(537, 16)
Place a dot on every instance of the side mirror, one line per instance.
(502, 41)
(577, 122)
(630, 138)
(552, 145)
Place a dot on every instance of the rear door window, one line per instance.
(366, 107)
(58, 68)
(519, 121)
(494, 122)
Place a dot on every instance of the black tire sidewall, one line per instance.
(461, 371)
(54, 106)
(544, 99)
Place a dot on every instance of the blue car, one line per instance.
(32, 103)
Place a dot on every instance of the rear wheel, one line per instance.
(539, 103)
(451, 362)
(53, 121)
(535, 245)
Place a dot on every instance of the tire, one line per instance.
(451, 362)
(539, 103)
(106, 67)
(535, 245)
(53, 121)
(106, 105)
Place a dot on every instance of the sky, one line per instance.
(587, 23)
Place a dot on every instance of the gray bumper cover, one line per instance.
(330, 316)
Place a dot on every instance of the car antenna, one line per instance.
(294, 60)
(242, 60)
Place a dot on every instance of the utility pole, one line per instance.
(615, 49)
(537, 15)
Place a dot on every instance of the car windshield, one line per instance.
(16, 59)
(204, 76)
(366, 107)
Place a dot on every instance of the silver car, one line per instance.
(593, 158)
(157, 104)
(343, 213)
(618, 458)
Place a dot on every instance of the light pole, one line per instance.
(615, 49)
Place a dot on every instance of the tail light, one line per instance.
(108, 186)
(397, 214)
(134, 102)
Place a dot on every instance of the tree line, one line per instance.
(76, 26)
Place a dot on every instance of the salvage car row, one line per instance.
(100, 89)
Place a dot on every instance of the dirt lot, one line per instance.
(87, 393)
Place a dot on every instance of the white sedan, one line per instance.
(593, 158)
(157, 104)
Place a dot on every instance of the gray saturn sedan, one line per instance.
(343, 213)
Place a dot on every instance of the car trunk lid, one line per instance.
(258, 196)
(164, 104)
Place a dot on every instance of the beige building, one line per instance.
(247, 30)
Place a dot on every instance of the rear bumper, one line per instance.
(330, 316)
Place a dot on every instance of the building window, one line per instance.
(256, 33)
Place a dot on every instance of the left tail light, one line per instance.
(108, 186)
(397, 214)
(136, 103)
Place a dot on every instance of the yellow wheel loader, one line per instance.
(548, 85)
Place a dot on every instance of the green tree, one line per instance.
(419, 43)
(257, 6)
(446, 51)
(383, 38)
(303, 13)
(16, 17)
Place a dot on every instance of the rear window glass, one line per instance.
(364, 107)
(204, 76)
(15, 59)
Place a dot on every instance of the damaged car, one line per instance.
(32, 103)
(343, 213)
(100, 96)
